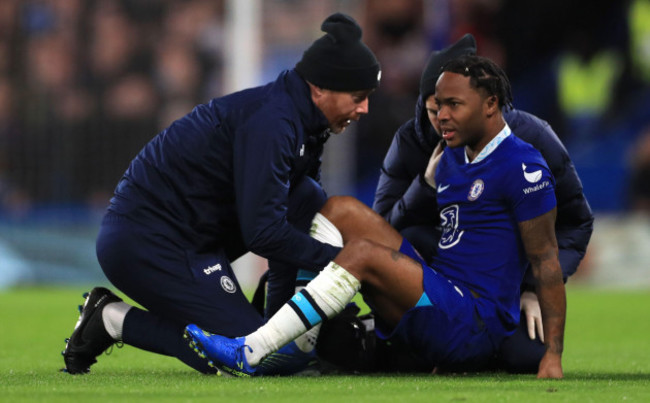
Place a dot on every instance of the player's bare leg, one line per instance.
(391, 281)
(355, 220)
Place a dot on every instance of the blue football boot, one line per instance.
(224, 353)
(289, 360)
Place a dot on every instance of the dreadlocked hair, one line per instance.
(483, 73)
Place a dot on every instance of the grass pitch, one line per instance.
(607, 358)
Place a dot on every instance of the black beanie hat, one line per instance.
(338, 60)
(465, 46)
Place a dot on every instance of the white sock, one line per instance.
(113, 316)
(323, 230)
(329, 292)
(306, 342)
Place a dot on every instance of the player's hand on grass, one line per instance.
(550, 367)
(529, 304)
(430, 172)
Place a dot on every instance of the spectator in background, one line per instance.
(178, 77)
(50, 96)
(638, 16)
(639, 187)
(478, 18)
(8, 28)
(396, 34)
(587, 80)
(72, 61)
(531, 33)
(119, 63)
(189, 52)
(14, 203)
(535, 36)
(129, 107)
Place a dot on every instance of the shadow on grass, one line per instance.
(607, 376)
(504, 376)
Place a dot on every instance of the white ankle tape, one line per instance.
(333, 289)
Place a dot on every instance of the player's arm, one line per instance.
(538, 236)
(262, 163)
(574, 223)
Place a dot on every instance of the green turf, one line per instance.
(607, 358)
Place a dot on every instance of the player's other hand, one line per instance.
(529, 304)
(430, 173)
(550, 367)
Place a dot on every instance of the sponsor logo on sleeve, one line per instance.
(537, 187)
(531, 177)
(212, 269)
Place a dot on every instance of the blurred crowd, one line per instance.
(84, 84)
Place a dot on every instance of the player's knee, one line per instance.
(340, 209)
(362, 247)
(356, 256)
(349, 215)
(337, 206)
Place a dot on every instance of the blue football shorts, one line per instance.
(445, 327)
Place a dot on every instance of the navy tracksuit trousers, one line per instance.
(177, 287)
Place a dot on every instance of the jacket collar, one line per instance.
(312, 119)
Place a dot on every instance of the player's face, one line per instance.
(432, 112)
(460, 111)
(341, 108)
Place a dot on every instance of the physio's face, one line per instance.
(432, 112)
(340, 108)
(461, 110)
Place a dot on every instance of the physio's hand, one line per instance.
(529, 304)
(550, 367)
(430, 173)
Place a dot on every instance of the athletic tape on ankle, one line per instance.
(339, 272)
(333, 288)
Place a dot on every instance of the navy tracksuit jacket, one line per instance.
(227, 168)
(237, 174)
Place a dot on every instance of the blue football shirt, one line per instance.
(480, 205)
